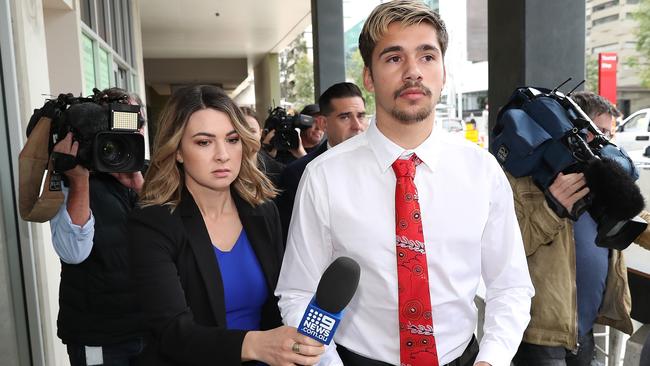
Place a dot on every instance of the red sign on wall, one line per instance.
(607, 75)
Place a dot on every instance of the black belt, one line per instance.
(350, 358)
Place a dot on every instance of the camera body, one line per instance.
(107, 131)
(286, 137)
(541, 132)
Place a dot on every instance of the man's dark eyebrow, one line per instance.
(428, 47)
(344, 114)
(424, 47)
(390, 49)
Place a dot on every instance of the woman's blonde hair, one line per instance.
(407, 13)
(164, 181)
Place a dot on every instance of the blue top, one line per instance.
(244, 285)
(592, 265)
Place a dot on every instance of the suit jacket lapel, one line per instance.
(257, 231)
(199, 239)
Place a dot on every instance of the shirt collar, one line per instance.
(386, 151)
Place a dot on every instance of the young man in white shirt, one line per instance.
(465, 219)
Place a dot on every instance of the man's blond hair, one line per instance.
(407, 13)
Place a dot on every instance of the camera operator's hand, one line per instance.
(70, 147)
(78, 204)
(568, 189)
(266, 141)
(300, 151)
(132, 180)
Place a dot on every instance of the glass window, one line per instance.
(116, 26)
(103, 70)
(126, 31)
(638, 123)
(88, 65)
(85, 12)
(101, 19)
(606, 5)
(607, 19)
(122, 78)
(108, 55)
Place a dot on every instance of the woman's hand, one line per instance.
(281, 346)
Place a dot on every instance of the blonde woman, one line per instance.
(206, 243)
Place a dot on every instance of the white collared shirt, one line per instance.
(345, 206)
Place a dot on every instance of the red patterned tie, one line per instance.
(417, 343)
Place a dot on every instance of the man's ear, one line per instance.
(367, 79)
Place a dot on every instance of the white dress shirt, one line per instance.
(345, 206)
(72, 243)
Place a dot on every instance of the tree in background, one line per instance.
(591, 69)
(354, 71)
(642, 63)
(304, 87)
(296, 74)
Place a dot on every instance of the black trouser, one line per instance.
(534, 355)
(350, 358)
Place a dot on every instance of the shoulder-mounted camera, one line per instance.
(286, 137)
(542, 132)
(106, 128)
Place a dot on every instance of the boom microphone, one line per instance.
(335, 290)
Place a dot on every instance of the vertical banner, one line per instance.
(607, 75)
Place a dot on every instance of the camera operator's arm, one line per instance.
(73, 227)
(538, 222)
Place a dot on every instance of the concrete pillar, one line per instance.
(267, 85)
(533, 43)
(329, 55)
(63, 51)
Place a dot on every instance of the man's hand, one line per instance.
(568, 189)
(266, 141)
(132, 180)
(69, 147)
(300, 150)
(78, 178)
(482, 363)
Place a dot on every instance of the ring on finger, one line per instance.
(296, 347)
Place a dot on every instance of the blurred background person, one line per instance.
(343, 115)
(577, 283)
(206, 243)
(312, 137)
(269, 166)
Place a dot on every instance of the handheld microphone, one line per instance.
(335, 290)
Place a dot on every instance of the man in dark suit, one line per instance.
(342, 115)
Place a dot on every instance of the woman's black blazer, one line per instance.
(179, 285)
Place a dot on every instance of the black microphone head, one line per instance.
(338, 284)
(613, 189)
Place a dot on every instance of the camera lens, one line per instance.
(114, 152)
(118, 152)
